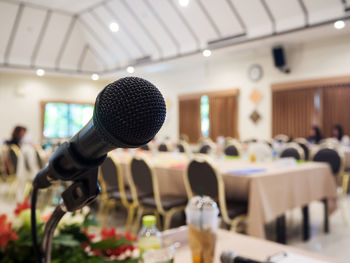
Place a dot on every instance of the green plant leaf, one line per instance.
(109, 243)
(65, 240)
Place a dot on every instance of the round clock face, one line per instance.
(255, 72)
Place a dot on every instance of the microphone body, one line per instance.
(128, 113)
(231, 257)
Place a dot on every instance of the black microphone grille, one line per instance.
(129, 111)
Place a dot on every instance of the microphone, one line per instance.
(128, 113)
(229, 256)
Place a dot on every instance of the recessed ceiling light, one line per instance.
(206, 53)
(114, 27)
(340, 24)
(95, 77)
(40, 72)
(130, 69)
(184, 3)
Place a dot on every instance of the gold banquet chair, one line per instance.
(11, 154)
(233, 148)
(113, 190)
(203, 179)
(330, 154)
(145, 187)
(293, 150)
(183, 147)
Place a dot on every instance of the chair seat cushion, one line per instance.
(236, 208)
(116, 195)
(168, 201)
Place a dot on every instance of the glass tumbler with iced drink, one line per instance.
(202, 220)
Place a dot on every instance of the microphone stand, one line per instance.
(82, 192)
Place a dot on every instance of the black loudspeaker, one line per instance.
(279, 59)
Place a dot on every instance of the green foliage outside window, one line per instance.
(63, 120)
(205, 115)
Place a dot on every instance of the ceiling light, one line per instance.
(130, 69)
(206, 53)
(114, 27)
(340, 24)
(184, 3)
(95, 77)
(40, 72)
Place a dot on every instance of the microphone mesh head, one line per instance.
(130, 111)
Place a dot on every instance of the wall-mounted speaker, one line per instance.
(280, 59)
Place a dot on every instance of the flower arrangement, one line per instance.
(72, 241)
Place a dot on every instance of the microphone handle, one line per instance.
(244, 260)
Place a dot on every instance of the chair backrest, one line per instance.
(141, 175)
(145, 147)
(162, 147)
(110, 172)
(331, 156)
(39, 159)
(205, 149)
(2, 160)
(202, 178)
(12, 158)
(180, 148)
(231, 150)
(306, 150)
(293, 150)
(281, 138)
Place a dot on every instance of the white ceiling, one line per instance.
(73, 36)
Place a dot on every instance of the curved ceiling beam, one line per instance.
(13, 33)
(185, 22)
(237, 15)
(163, 25)
(65, 41)
(110, 34)
(209, 18)
(93, 34)
(40, 38)
(270, 15)
(142, 26)
(130, 36)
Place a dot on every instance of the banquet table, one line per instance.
(271, 188)
(244, 246)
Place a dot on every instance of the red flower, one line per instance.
(6, 233)
(129, 237)
(22, 206)
(108, 233)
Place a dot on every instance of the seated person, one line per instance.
(315, 135)
(17, 135)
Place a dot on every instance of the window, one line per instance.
(63, 120)
(205, 115)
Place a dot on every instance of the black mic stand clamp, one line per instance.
(82, 192)
(79, 194)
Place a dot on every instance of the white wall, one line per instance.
(20, 96)
(326, 58)
(229, 70)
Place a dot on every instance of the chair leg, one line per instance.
(106, 210)
(137, 221)
(160, 224)
(344, 208)
(130, 218)
(169, 215)
(236, 221)
(306, 223)
(281, 229)
(326, 219)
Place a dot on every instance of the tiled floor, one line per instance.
(334, 245)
